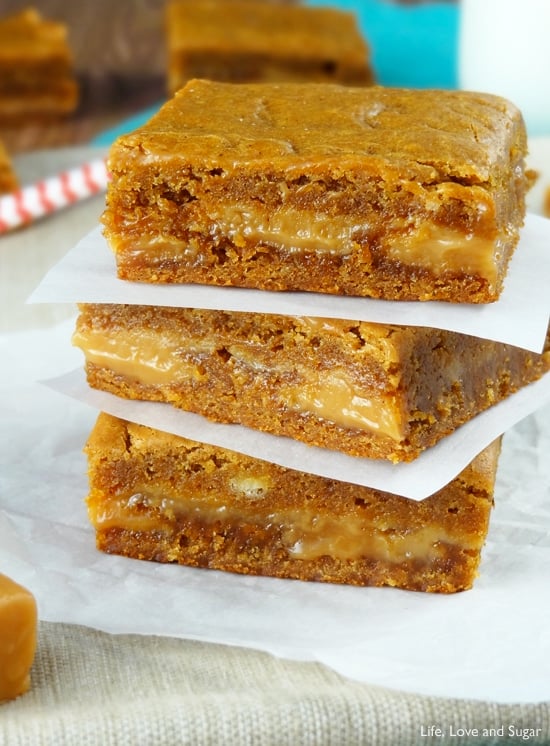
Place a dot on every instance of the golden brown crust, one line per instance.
(250, 369)
(250, 41)
(159, 497)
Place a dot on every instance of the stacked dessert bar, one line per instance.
(381, 193)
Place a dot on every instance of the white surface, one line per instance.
(491, 643)
(26, 254)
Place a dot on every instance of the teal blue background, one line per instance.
(413, 46)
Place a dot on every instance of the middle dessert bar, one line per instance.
(366, 191)
(371, 390)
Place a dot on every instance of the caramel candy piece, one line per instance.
(18, 623)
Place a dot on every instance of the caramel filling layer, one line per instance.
(429, 246)
(447, 250)
(143, 356)
(304, 535)
(153, 360)
(350, 539)
(331, 396)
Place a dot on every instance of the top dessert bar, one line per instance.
(244, 41)
(388, 193)
(36, 69)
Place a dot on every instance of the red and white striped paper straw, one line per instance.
(52, 194)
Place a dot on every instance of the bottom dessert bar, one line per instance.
(156, 496)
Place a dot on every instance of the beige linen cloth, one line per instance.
(90, 688)
(94, 689)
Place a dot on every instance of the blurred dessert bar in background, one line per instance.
(367, 191)
(118, 49)
(371, 390)
(157, 496)
(244, 41)
(8, 177)
(118, 62)
(37, 80)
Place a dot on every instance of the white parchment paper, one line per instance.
(87, 274)
(490, 643)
